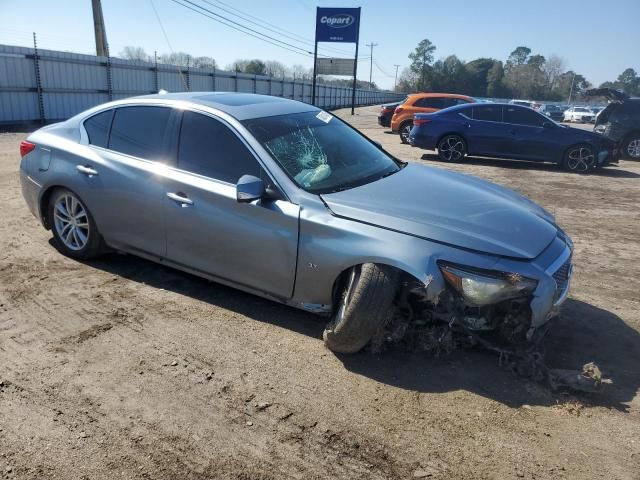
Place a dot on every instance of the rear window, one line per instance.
(488, 113)
(140, 131)
(630, 107)
(97, 128)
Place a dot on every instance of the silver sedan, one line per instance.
(284, 200)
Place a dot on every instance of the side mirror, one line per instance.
(547, 125)
(377, 144)
(249, 188)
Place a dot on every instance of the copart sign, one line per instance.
(337, 25)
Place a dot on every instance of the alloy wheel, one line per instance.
(633, 148)
(71, 222)
(451, 148)
(580, 159)
(404, 133)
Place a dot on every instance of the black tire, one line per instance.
(452, 148)
(93, 244)
(579, 159)
(630, 148)
(363, 308)
(405, 130)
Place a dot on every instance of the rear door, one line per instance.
(250, 244)
(488, 135)
(527, 137)
(123, 189)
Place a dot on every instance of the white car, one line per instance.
(578, 114)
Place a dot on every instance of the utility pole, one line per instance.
(98, 27)
(571, 90)
(371, 62)
(424, 68)
(395, 82)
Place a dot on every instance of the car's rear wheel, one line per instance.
(365, 299)
(452, 148)
(405, 130)
(74, 231)
(631, 146)
(579, 159)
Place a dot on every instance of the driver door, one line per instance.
(250, 244)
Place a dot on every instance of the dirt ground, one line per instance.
(121, 368)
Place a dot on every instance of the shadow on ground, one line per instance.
(611, 171)
(584, 333)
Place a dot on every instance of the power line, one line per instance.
(166, 37)
(267, 26)
(299, 51)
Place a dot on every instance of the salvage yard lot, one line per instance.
(121, 368)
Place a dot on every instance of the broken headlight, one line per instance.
(482, 287)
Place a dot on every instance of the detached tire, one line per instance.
(75, 233)
(363, 308)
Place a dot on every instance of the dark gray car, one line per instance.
(284, 200)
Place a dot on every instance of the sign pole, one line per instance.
(355, 67)
(315, 61)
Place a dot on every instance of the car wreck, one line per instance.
(283, 200)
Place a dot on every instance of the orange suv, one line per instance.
(402, 120)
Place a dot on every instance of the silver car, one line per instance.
(286, 201)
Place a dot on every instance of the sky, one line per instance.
(598, 40)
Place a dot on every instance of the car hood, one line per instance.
(608, 93)
(451, 208)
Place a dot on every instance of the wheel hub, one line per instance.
(71, 222)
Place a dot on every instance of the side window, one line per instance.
(488, 113)
(630, 107)
(97, 128)
(459, 101)
(523, 116)
(208, 147)
(431, 102)
(140, 131)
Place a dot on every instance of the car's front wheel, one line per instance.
(74, 231)
(452, 148)
(579, 159)
(631, 146)
(405, 130)
(363, 307)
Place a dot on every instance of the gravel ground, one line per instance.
(120, 368)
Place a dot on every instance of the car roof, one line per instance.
(242, 106)
(432, 94)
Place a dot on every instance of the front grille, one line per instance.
(562, 277)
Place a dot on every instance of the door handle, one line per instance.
(86, 170)
(180, 198)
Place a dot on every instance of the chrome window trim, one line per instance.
(226, 119)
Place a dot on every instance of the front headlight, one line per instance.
(481, 287)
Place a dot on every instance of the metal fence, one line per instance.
(48, 85)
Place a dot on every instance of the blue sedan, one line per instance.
(509, 131)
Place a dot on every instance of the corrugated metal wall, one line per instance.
(55, 85)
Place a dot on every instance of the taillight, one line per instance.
(26, 147)
(420, 121)
(398, 109)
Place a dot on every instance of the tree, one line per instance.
(134, 53)
(518, 57)
(256, 67)
(421, 60)
(181, 59)
(301, 72)
(495, 81)
(629, 81)
(552, 68)
(536, 60)
(276, 68)
(477, 73)
(204, 62)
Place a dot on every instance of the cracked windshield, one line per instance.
(320, 152)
